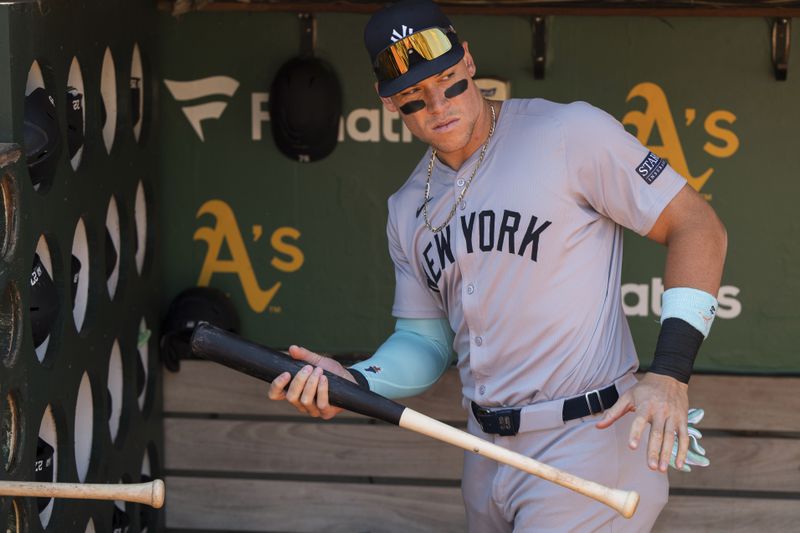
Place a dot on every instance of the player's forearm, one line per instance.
(412, 359)
(696, 245)
(696, 255)
(696, 242)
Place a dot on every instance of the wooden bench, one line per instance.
(236, 461)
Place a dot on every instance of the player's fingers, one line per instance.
(683, 445)
(303, 354)
(276, 391)
(623, 406)
(296, 388)
(308, 398)
(655, 441)
(322, 395)
(327, 411)
(637, 428)
(667, 445)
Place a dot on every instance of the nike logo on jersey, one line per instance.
(486, 231)
(423, 206)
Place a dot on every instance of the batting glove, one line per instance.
(696, 455)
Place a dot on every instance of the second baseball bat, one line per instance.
(151, 493)
(263, 363)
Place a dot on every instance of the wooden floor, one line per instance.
(238, 462)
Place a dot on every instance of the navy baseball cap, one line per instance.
(408, 42)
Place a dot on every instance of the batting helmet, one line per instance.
(74, 121)
(43, 468)
(305, 108)
(43, 302)
(189, 308)
(41, 136)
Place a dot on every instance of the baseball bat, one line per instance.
(215, 344)
(151, 493)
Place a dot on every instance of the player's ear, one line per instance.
(469, 62)
(387, 102)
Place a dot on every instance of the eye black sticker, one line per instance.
(412, 107)
(456, 89)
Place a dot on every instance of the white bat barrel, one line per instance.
(151, 493)
(624, 502)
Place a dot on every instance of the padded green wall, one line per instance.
(705, 84)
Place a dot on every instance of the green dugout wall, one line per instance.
(301, 248)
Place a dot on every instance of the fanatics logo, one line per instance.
(194, 90)
(397, 35)
(374, 369)
(651, 167)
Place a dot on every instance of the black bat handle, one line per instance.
(218, 345)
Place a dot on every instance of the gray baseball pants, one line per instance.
(500, 498)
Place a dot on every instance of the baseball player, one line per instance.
(507, 248)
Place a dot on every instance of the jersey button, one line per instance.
(463, 205)
(470, 288)
(460, 182)
(478, 341)
(482, 390)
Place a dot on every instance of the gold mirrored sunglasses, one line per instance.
(396, 59)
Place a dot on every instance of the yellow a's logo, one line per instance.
(658, 116)
(226, 231)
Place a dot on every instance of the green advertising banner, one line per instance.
(301, 247)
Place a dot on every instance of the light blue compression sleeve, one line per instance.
(412, 359)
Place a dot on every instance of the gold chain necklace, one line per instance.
(466, 185)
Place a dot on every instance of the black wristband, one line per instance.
(360, 378)
(676, 349)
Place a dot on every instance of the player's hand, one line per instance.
(662, 402)
(308, 391)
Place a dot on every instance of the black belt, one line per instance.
(505, 421)
(590, 403)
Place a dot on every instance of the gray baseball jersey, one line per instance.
(528, 270)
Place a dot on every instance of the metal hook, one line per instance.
(308, 33)
(539, 47)
(781, 40)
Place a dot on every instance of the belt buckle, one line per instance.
(507, 422)
(599, 402)
(504, 422)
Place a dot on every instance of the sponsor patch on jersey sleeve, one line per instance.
(651, 167)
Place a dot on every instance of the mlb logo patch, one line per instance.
(651, 167)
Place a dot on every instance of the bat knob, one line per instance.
(630, 504)
(159, 491)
